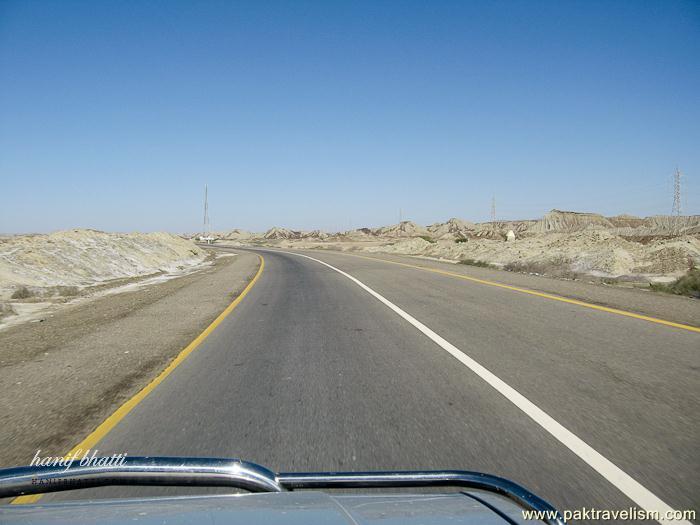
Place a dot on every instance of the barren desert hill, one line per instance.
(569, 221)
(555, 221)
(452, 228)
(561, 242)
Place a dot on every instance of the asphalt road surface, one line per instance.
(313, 372)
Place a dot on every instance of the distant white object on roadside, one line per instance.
(510, 236)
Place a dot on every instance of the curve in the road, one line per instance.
(611, 472)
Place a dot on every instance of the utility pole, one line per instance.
(207, 226)
(400, 215)
(676, 210)
(493, 208)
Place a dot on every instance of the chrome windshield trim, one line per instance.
(138, 471)
(449, 478)
(234, 473)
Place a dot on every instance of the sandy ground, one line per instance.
(62, 376)
(36, 310)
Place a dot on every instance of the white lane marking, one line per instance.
(634, 490)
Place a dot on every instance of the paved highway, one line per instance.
(315, 370)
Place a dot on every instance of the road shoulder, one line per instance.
(61, 377)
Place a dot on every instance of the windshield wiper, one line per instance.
(234, 473)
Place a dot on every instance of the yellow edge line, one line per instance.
(540, 294)
(108, 424)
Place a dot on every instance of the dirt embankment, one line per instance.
(37, 271)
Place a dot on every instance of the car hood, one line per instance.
(287, 508)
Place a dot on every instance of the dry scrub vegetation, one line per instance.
(689, 284)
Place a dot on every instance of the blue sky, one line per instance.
(113, 115)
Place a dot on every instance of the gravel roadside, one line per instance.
(63, 376)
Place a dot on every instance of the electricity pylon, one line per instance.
(676, 210)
